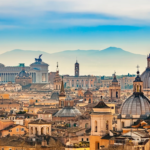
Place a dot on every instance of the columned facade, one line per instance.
(37, 70)
(82, 81)
(36, 129)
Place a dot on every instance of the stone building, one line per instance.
(77, 81)
(88, 97)
(101, 124)
(37, 70)
(39, 127)
(23, 78)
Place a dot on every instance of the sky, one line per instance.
(58, 25)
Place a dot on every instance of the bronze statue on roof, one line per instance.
(39, 59)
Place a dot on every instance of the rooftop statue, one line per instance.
(39, 59)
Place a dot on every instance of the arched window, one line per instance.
(97, 145)
(62, 103)
(31, 130)
(42, 131)
(137, 88)
(36, 131)
(107, 125)
(56, 87)
(89, 100)
(68, 103)
(95, 126)
(86, 125)
(117, 94)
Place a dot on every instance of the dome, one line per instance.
(136, 105)
(23, 73)
(1, 65)
(88, 93)
(68, 112)
(145, 77)
(55, 95)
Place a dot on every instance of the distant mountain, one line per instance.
(94, 62)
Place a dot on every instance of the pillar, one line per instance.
(49, 130)
(39, 130)
(29, 131)
(34, 130)
(70, 84)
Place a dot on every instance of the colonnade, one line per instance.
(6, 77)
(40, 130)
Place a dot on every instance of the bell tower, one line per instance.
(57, 80)
(138, 83)
(114, 89)
(76, 69)
(62, 95)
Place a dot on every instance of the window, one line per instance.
(107, 125)
(2, 148)
(82, 139)
(87, 139)
(10, 149)
(95, 126)
(68, 104)
(17, 129)
(22, 129)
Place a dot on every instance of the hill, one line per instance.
(94, 62)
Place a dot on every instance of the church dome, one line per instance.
(137, 103)
(55, 96)
(145, 77)
(23, 73)
(68, 112)
(1, 65)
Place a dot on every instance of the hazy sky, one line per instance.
(57, 25)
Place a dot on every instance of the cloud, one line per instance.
(127, 8)
(120, 11)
